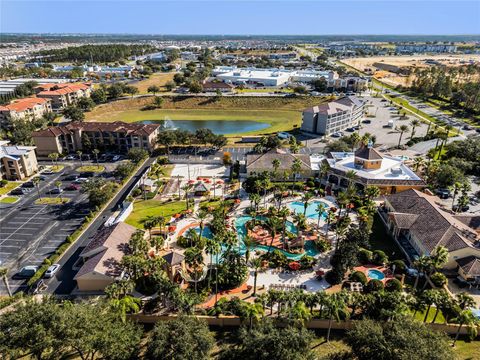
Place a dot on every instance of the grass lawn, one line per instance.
(144, 208)
(431, 314)
(51, 201)
(91, 168)
(283, 114)
(9, 200)
(56, 168)
(158, 79)
(467, 350)
(9, 187)
(381, 240)
(286, 91)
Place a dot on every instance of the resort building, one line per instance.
(259, 163)
(63, 95)
(333, 116)
(348, 83)
(30, 108)
(116, 136)
(100, 259)
(419, 224)
(17, 162)
(388, 173)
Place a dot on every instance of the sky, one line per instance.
(260, 17)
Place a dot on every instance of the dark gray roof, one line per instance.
(173, 258)
(264, 161)
(368, 153)
(470, 265)
(432, 226)
(472, 221)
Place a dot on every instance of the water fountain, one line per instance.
(168, 124)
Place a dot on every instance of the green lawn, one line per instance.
(9, 200)
(144, 208)
(420, 315)
(56, 168)
(51, 201)
(8, 187)
(381, 240)
(467, 350)
(91, 168)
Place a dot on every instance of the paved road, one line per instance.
(63, 283)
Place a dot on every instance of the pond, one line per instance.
(219, 127)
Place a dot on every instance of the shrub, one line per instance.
(323, 245)
(150, 195)
(400, 266)
(438, 279)
(364, 256)
(3, 183)
(358, 276)
(373, 286)
(379, 257)
(334, 277)
(393, 285)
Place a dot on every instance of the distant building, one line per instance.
(17, 162)
(63, 95)
(333, 116)
(117, 136)
(212, 86)
(348, 83)
(7, 87)
(371, 168)
(387, 67)
(30, 108)
(425, 48)
(102, 256)
(419, 225)
(259, 163)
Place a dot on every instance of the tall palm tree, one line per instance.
(422, 264)
(58, 185)
(306, 199)
(321, 209)
(418, 163)
(212, 247)
(201, 217)
(4, 276)
(256, 264)
(464, 300)
(266, 184)
(252, 312)
(249, 244)
(414, 123)
(439, 257)
(330, 218)
(283, 213)
(350, 175)
(79, 154)
(429, 297)
(36, 182)
(336, 307)
(274, 224)
(465, 317)
(126, 305)
(276, 165)
(95, 153)
(402, 129)
(296, 167)
(300, 313)
(149, 224)
(255, 200)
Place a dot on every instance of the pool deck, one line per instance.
(384, 270)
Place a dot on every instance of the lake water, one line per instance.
(219, 127)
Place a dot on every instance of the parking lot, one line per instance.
(30, 232)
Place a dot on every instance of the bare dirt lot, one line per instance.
(413, 61)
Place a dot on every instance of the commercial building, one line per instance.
(63, 95)
(420, 225)
(124, 71)
(7, 87)
(100, 259)
(17, 162)
(30, 108)
(333, 116)
(348, 83)
(85, 136)
(425, 48)
(308, 76)
(212, 86)
(370, 168)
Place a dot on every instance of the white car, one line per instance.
(116, 158)
(52, 269)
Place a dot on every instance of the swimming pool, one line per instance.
(298, 208)
(375, 274)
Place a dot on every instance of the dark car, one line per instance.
(55, 191)
(70, 178)
(87, 174)
(18, 191)
(28, 184)
(26, 273)
(366, 121)
(73, 187)
(41, 178)
(351, 129)
(443, 193)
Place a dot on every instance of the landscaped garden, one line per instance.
(91, 168)
(9, 200)
(51, 201)
(153, 208)
(7, 186)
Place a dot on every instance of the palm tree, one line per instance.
(321, 209)
(274, 224)
(296, 167)
(126, 305)
(187, 188)
(330, 218)
(256, 264)
(355, 140)
(54, 157)
(418, 163)
(401, 129)
(212, 247)
(350, 175)
(276, 165)
(283, 214)
(266, 184)
(443, 300)
(96, 152)
(36, 182)
(429, 297)
(249, 244)
(465, 317)
(201, 216)
(414, 123)
(300, 313)
(439, 257)
(422, 264)
(149, 224)
(464, 300)
(306, 199)
(79, 154)
(255, 200)
(251, 312)
(455, 188)
(4, 276)
(336, 307)
(58, 185)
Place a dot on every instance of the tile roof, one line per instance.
(117, 126)
(332, 107)
(105, 251)
(368, 153)
(470, 265)
(173, 258)
(61, 89)
(264, 161)
(23, 104)
(216, 85)
(431, 226)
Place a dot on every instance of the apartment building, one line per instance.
(348, 83)
(333, 116)
(63, 95)
(86, 136)
(17, 162)
(30, 108)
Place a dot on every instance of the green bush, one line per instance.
(364, 256)
(358, 276)
(400, 266)
(393, 285)
(373, 286)
(150, 195)
(379, 257)
(334, 277)
(438, 279)
(136, 192)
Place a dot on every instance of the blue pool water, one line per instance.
(375, 274)
(207, 233)
(297, 208)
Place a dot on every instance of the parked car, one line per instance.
(26, 272)
(70, 178)
(41, 177)
(52, 269)
(70, 157)
(28, 184)
(87, 174)
(19, 191)
(55, 191)
(47, 172)
(80, 180)
(350, 129)
(116, 158)
(458, 208)
(73, 187)
(366, 121)
(443, 193)
(336, 135)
